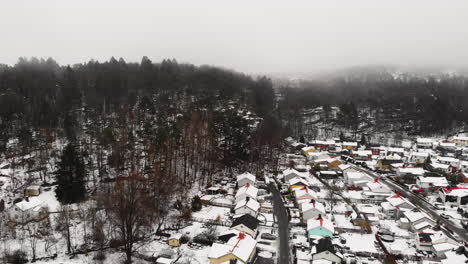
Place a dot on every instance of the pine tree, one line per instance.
(70, 177)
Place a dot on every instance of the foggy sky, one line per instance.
(249, 36)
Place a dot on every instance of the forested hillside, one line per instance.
(381, 101)
(186, 122)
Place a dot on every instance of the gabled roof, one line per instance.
(247, 175)
(313, 205)
(247, 220)
(241, 246)
(398, 200)
(461, 192)
(416, 216)
(291, 171)
(249, 190)
(29, 203)
(251, 203)
(325, 244)
(436, 181)
(298, 180)
(320, 222)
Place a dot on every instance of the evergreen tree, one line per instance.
(196, 204)
(70, 177)
(363, 141)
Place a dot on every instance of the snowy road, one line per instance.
(283, 225)
(428, 208)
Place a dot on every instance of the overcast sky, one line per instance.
(249, 36)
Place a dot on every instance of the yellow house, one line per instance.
(297, 182)
(33, 190)
(174, 240)
(349, 145)
(307, 150)
(386, 164)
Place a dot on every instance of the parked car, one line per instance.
(444, 216)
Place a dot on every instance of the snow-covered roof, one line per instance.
(412, 170)
(251, 203)
(448, 159)
(313, 205)
(247, 175)
(463, 138)
(176, 236)
(377, 187)
(249, 190)
(459, 192)
(298, 180)
(304, 192)
(353, 144)
(436, 165)
(424, 140)
(397, 150)
(420, 154)
(291, 171)
(436, 181)
(397, 200)
(325, 223)
(415, 216)
(361, 153)
(27, 205)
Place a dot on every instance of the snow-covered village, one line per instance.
(234, 132)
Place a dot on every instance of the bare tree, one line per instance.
(64, 219)
(130, 208)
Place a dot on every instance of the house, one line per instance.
(386, 163)
(454, 195)
(247, 206)
(322, 144)
(298, 183)
(241, 248)
(163, 260)
(376, 191)
(307, 150)
(436, 242)
(463, 166)
(245, 178)
(460, 141)
(30, 209)
(32, 190)
(246, 224)
(349, 145)
(430, 182)
(449, 161)
(441, 167)
(303, 194)
(320, 227)
(418, 157)
(296, 146)
(246, 191)
(409, 171)
(424, 142)
(395, 206)
(346, 167)
(362, 154)
(312, 209)
(447, 146)
(288, 174)
(356, 178)
(174, 240)
(418, 221)
(327, 174)
(325, 250)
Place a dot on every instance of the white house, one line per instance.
(312, 210)
(245, 178)
(395, 206)
(440, 166)
(463, 166)
(460, 141)
(429, 182)
(247, 206)
(418, 157)
(326, 252)
(424, 142)
(454, 162)
(288, 174)
(414, 171)
(418, 221)
(246, 191)
(454, 195)
(30, 209)
(356, 178)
